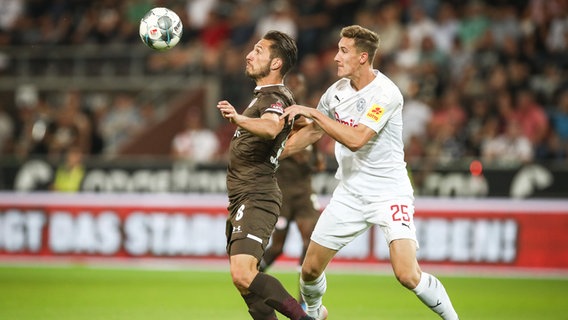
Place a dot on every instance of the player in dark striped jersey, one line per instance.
(254, 196)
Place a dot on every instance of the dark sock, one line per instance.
(258, 309)
(276, 296)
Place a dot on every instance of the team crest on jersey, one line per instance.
(360, 105)
(375, 113)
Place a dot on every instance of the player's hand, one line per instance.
(228, 111)
(294, 112)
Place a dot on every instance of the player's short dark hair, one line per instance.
(283, 47)
(365, 39)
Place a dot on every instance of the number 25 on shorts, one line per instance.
(400, 212)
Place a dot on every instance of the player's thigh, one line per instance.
(394, 216)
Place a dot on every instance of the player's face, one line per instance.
(258, 60)
(347, 58)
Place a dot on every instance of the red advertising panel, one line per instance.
(451, 232)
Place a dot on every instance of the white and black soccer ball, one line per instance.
(161, 29)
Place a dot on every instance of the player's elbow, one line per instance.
(355, 145)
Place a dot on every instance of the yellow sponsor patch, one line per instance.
(375, 113)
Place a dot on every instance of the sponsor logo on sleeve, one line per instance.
(375, 113)
(277, 107)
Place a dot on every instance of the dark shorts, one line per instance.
(250, 224)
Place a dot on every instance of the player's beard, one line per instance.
(263, 72)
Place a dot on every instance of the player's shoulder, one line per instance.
(341, 84)
(276, 92)
(384, 81)
(336, 88)
(274, 98)
(387, 88)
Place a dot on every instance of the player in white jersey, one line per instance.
(363, 112)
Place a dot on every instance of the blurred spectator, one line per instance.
(430, 54)
(314, 72)
(497, 80)
(531, 117)
(557, 38)
(198, 12)
(214, 38)
(473, 24)
(313, 21)
(407, 56)
(548, 82)
(120, 122)
(33, 124)
(68, 129)
(505, 107)
(505, 23)
(280, 17)
(241, 26)
(416, 115)
(72, 110)
(475, 131)
(10, 13)
(519, 73)
(69, 175)
(446, 28)
(390, 28)
(419, 26)
(445, 144)
(508, 148)
(449, 110)
(446, 141)
(195, 143)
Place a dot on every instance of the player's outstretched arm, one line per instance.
(268, 126)
(302, 138)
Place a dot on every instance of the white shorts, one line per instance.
(348, 215)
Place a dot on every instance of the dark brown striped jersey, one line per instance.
(253, 160)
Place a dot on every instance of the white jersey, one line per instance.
(377, 169)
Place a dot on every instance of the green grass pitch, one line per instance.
(82, 293)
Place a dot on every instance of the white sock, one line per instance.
(312, 292)
(433, 294)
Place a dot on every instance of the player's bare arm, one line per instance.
(267, 126)
(302, 138)
(353, 138)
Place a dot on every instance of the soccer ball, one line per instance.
(161, 29)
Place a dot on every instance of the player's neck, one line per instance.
(271, 79)
(363, 78)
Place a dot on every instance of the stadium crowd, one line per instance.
(484, 79)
